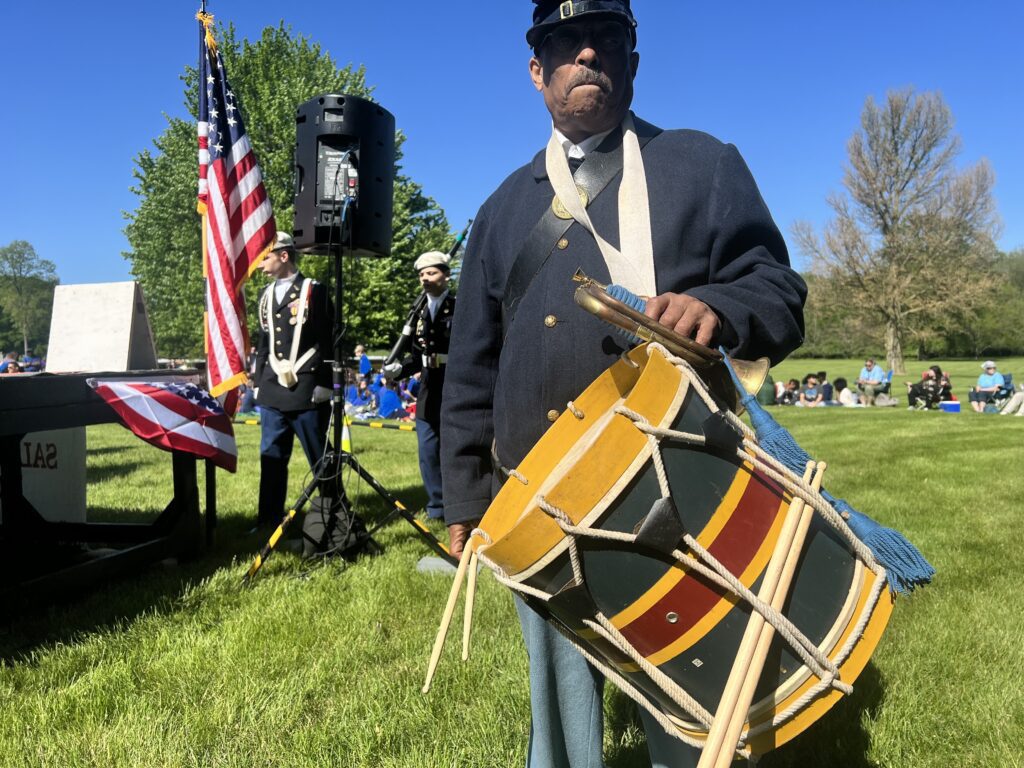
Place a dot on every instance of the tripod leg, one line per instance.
(275, 537)
(397, 509)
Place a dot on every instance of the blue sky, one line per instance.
(85, 89)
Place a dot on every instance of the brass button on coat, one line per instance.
(563, 244)
(550, 321)
(553, 415)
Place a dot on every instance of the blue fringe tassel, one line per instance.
(905, 566)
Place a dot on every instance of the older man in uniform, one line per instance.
(429, 358)
(672, 215)
(292, 376)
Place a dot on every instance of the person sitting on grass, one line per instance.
(828, 391)
(810, 395)
(790, 394)
(845, 395)
(389, 402)
(989, 382)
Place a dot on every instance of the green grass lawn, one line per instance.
(321, 665)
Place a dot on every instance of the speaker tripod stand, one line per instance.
(340, 512)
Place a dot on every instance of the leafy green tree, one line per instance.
(994, 329)
(270, 76)
(26, 292)
(8, 333)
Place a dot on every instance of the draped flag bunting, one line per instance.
(238, 223)
(175, 416)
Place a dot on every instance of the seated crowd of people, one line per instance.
(368, 393)
(871, 388)
(993, 391)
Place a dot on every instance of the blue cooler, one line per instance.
(950, 406)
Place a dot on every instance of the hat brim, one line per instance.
(535, 35)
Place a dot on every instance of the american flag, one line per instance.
(238, 223)
(175, 416)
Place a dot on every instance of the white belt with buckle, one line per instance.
(434, 361)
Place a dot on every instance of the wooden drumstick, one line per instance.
(449, 612)
(768, 631)
(719, 747)
(467, 621)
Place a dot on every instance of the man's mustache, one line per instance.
(590, 77)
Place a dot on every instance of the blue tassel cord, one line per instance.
(905, 566)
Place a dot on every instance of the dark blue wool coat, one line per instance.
(431, 337)
(714, 239)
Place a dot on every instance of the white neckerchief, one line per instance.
(632, 267)
(282, 285)
(434, 303)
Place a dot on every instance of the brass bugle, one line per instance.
(709, 363)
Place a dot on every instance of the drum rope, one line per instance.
(678, 694)
(771, 466)
(565, 521)
(816, 690)
(714, 571)
(516, 474)
(626, 686)
(672, 689)
(801, 644)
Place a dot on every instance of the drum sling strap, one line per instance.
(597, 171)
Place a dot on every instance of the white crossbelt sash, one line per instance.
(632, 266)
(288, 369)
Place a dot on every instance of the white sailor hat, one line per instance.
(433, 259)
(283, 240)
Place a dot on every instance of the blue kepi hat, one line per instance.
(550, 13)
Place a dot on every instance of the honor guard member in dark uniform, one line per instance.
(292, 376)
(430, 357)
(678, 219)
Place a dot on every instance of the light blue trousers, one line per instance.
(567, 722)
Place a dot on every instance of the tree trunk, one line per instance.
(894, 349)
(24, 338)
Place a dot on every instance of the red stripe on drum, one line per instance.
(747, 531)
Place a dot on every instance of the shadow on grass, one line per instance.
(104, 450)
(28, 624)
(838, 740)
(116, 471)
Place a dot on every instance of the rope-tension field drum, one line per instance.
(708, 581)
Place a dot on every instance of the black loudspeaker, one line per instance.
(344, 145)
